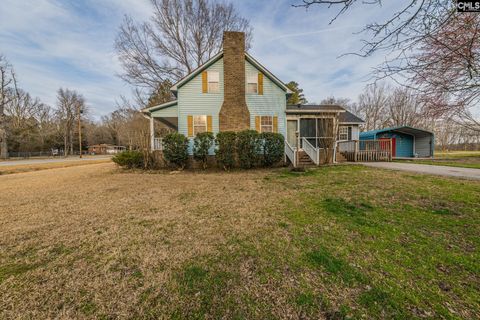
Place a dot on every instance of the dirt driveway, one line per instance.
(466, 173)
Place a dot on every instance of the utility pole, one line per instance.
(80, 128)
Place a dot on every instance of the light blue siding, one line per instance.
(191, 100)
(403, 143)
(273, 102)
(166, 112)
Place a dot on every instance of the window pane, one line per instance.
(267, 120)
(213, 76)
(213, 87)
(252, 78)
(252, 88)
(266, 128)
(199, 124)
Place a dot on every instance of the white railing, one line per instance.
(157, 144)
(311, 151)
(291, 153)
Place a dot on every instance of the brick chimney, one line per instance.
(234, 114)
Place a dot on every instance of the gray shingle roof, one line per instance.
(349, 117)
(315, 107)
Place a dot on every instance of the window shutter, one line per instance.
(275, 124)
(209, 124)
(190, 125)
(257, 123)
(260, 83)
(349, 133)
(204, 82)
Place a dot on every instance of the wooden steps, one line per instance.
(304, 160)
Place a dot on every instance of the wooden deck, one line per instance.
(364, 150)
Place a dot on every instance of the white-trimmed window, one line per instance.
(343, 133)
(266, 124)
(199, 124)
(252, 83)
(213, 81)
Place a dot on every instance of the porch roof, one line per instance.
(314, 108)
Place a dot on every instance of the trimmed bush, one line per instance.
(129, 159)
(175, 149)
(201, 144)
(248, 148)
(273, 148)
(226, 146)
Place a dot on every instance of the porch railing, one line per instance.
(157, 144)
(365, 150)
(311, 151)
(291, 153)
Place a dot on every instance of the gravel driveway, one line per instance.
(466, 173)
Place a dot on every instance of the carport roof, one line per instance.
(403, 129)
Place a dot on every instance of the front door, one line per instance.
(292, 132)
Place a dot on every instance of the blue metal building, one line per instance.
(407, 142)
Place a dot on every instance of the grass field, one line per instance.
(45, 166)
(463, 159)
(335, 242)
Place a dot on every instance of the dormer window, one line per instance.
(213, 81)
(252, 83)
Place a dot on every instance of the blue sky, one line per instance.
(68, 43)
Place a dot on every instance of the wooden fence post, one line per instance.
(355, 154)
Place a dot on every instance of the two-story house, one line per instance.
(233, 92)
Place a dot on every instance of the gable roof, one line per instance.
(217, 57)
(160, 106)
(404, 129)
(314, 108)
(348, 117)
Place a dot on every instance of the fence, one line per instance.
(365, 150)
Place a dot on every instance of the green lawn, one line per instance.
(335, 242)
(463, 159)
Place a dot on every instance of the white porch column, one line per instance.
(152, 134)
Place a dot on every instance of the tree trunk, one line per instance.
(3, 135)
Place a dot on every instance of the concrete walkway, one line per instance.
(50, 160)
(466, 173)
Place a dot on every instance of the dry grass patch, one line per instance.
(4, 170)
(338, 242)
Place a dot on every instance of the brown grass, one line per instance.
(94, 238)
(45, 166)
(97, 242)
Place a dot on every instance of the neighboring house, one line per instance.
(105, 149)
(233, 92)
(407, 142)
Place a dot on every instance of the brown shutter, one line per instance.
(260, 83)
(209, 124)
(257, 123)
(190, 125)
(204, 82)
(275, 124)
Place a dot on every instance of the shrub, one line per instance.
(201, 144)
(225, 153)
(273, 148)
(129, 159)
(175, 149)
(248, 148)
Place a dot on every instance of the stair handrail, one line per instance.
(291, 153)
(311, 151)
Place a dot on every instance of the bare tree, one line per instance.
(180, 36)
(68, 104)
(372, 105)
(428, 47)
(7, 78)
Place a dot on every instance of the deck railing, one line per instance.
(157, 144)
(291, 153)
(366, 150)
(311, 151)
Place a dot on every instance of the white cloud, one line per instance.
(56, 44)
